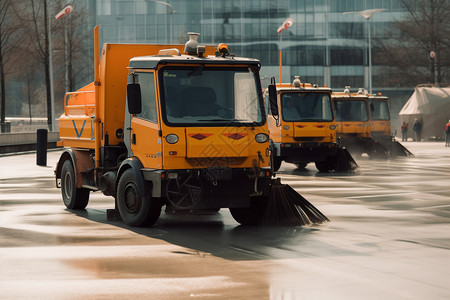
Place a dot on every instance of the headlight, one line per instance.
(332, 127)
(261, 137)
(171, 138)
(286, 127)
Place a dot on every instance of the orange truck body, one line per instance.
(199, 139)
(353, 117)
(381, 126)
(380, 117)
(355, 127)
(306, 128)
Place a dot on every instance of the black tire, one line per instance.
(73, 197)
(250, 215)
(134, 208)
(302, 165)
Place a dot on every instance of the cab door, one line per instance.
(145, 142)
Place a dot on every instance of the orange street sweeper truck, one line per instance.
(381, 127)
(305, 130)
(354, 126)
(167, 125)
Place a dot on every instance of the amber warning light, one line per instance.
(223, 49)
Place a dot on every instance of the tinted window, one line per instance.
(211, 96)
(351, 110)
(380, 110)
(147, 83)
(304, 107)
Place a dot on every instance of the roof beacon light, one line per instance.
(360, 91)
(296, 83)
(223, 49)
(347, 89)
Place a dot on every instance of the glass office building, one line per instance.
(323, 45)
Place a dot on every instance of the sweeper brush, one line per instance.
(398, 149)
(286, 207)
(345, 161)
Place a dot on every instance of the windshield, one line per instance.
(379, 110)
(210, 96)
(351, 110)
(304, 107)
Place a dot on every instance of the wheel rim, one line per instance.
(132, 200)
(68, 186)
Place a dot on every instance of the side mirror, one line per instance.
(273, 100)
(134, 98)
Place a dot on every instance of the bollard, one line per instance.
(41, 147)
(5, 127)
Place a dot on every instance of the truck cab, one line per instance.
(380, 117)
(161, 128)
(352, 112)
(305, 129)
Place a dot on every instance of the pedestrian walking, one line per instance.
(447, 134)
(417, 127)
(404, 128)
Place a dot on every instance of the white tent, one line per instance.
(431, 106)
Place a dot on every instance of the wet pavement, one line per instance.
(389, 238)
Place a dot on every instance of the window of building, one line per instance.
(125, 8)
(103, 7)
(359, 6)
(350, 5)
(387, 4)
(342, 81)
(347, 30)
(346, 56)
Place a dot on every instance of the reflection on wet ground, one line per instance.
(388, 238)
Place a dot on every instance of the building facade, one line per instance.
(323, 45)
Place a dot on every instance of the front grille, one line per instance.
(309, 139)
(208, 162)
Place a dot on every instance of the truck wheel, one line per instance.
(250, 215)
(73, 197)
(135, 209)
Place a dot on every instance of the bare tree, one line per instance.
(425, 28)
(34, 16)
(30, 79)
(7, 29)
(72, 29)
